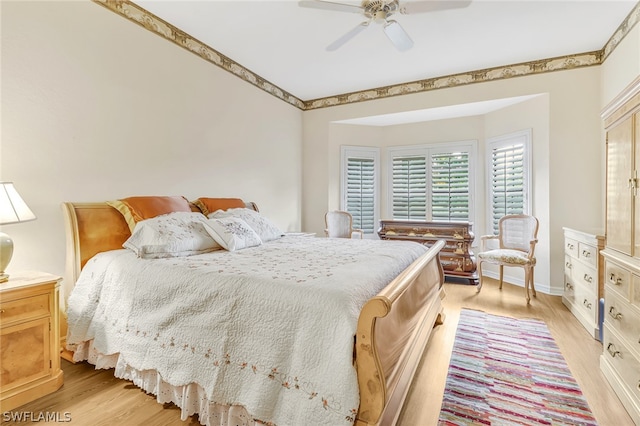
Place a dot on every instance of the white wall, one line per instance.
(621, 67)
(95, 107)
(566, 125)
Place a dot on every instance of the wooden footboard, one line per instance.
(393, 330)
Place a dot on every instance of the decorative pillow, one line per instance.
(233, 233)
(175, 234)
(135, 209)
(265, 229)
(210, 205)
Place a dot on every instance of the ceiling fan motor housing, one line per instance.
(379, 10)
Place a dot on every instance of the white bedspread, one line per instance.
(270, 327)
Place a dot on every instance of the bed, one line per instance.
(391, 329)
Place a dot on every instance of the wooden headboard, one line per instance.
(92, 228)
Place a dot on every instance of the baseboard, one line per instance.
(542, 288)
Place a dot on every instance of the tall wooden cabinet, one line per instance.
(620, 360)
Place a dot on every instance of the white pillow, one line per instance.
(175, 234)
(262, 226)
(233, 233)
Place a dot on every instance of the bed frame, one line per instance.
(393, 327)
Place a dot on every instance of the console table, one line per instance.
(456, 257)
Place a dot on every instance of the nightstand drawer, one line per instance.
(24, 309)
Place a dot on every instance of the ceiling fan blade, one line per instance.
(348, 36)
(412, 7)
(329, 5)
(398, 36)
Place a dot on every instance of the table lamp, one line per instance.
(12, 210)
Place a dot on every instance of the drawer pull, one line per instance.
(586, 303)
(588, 278)
(613, 351)
(586, 253)
(570, 246)
(568, 265)
(568, 286)
(613, 314)
(615, 280)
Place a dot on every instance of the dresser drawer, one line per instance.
(568, 264)
(623, 361)
(586, 276)
(571, 247)
(623, 318)
(24, 309)
(588, 253)
(617, 278)
(586, 303)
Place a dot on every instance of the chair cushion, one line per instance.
(506, 256)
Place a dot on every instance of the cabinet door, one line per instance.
(619, 192)
(25, 353)
(636, 232)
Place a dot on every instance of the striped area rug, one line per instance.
(507, 371)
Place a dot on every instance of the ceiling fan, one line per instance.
(379, 11)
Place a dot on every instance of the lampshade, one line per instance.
(12, 210)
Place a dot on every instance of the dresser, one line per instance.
(30, 343)
(583, 277)
(620, 360)
(456, 257)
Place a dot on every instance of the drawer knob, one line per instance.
(568, 286)
(570, 246)
(613, 314)
(588, 278)
(611, 348)
(568, 265)
(586, 253)
(586, 303)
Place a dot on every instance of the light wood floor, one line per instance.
(579, 349)
(97, 398)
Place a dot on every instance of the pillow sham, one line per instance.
(176, 234)
(210, 205)
(266, 230)
(136, 209)
(233, 233)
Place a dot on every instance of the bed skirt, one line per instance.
(191, 399)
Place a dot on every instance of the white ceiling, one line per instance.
(285, 44)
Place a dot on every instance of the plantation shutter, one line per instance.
(360, 194)
(409, 188)
(450, 187)
(507, 181)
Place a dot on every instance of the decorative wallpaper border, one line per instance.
(146, 19)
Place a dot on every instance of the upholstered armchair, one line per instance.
(339, 224)
(517, 238)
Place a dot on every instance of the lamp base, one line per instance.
(6, 251)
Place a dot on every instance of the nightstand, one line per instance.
(29, 338)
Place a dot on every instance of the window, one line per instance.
(509, 180)
(432, 182)
(359, 186)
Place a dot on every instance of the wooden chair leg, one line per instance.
(501, 275)
(479, 286)
(527, 275)
(532, 282)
